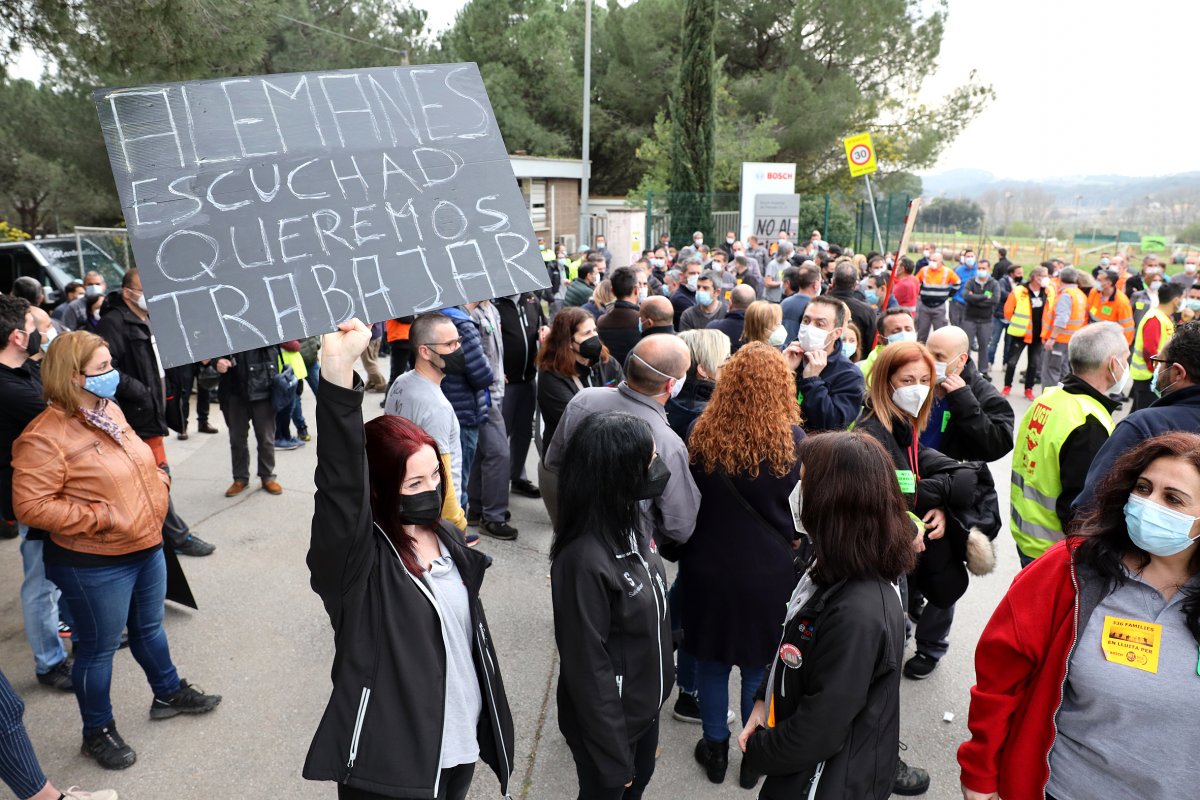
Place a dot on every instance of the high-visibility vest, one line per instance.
(1022, 317)
(868, 363)
(1117, 310)
(1036, 477)
(1078, 315)
(548, 254)
(1138, 368)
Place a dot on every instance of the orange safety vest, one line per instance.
(1018, 310)
(396, 331)
(1118, 310)
(1078, 315)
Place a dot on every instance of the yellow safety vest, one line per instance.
(868, 363)
(1022, 316)
(1036, 480)
(1139, 369)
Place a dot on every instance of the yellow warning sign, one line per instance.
(860, 155)
(1132, 642)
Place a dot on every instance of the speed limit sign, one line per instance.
(860, 155)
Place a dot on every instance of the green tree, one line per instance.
(58, 177)
(954, 213)
(693, 107)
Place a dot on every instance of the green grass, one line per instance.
(1029, 251)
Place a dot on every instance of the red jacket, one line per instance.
(1021, 670)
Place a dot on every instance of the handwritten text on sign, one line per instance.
(272, 208)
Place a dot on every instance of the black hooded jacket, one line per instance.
(382, 728)
(141, 393)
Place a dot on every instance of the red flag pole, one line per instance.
(910, 221)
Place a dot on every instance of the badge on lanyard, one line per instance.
(789, 654)
(1132, 643)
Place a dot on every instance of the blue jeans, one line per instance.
(468, 438)
(103, 602)
(19, 768)
(295, 414)
(39, 607)
(685, 663)
(712, 679)
(999, 326)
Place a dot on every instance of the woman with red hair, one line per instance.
(417, 695)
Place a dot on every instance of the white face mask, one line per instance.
(777, 337)
(718, 267)
(1190, 269)
(940, 369)
(1155, 285)
(692, 282)
(642, 293)
(811, 338)
(141, 302)
(796, 501)
(909, 399)
(1122, 383)
(1044, 281)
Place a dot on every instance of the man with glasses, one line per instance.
(417, 396)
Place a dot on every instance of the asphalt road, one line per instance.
(261, 639)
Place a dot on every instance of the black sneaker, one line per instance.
(185, 701)
(498, 530)
(747, 778)
(303, 435)
(195, 546)
(525, 487)
(474, 517)
(687, 708)
(108, 748)
(919, 667)
(59, 677)
(910, 781)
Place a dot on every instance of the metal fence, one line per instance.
(842, 219)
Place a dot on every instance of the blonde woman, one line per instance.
(710, 350)
(602, 299)
(81, 474)
(764, 323)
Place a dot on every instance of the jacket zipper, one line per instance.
(524, 339)
(437, 778)
(1062, 689)
(492, 702)
(363, 700)
(816, 779)
(658, 614)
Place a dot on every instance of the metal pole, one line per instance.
(874, 216)
(651, 239)
(553, 218)
(888, 219)
(584, 216)
(825, 228)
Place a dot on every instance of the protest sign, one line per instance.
(774, 213)
(264, 209)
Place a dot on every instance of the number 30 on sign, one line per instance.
(860, 155)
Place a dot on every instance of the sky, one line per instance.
(1083, 87)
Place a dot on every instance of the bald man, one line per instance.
(969, 421)
(654, 372)
(739, 300)
(656, 316)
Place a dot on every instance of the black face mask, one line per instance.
(422, 508)
(34, 345)
(454, 363)
(656, 480)
(590, 348)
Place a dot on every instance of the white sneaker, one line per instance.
(75, 793)
(730, 718)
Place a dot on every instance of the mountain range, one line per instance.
(1095, 191)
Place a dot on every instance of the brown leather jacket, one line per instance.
(92, 494)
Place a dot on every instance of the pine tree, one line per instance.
(693, 114)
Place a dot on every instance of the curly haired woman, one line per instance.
(741, 554)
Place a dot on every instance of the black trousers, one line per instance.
(401, 360)
(239, 414)
(520, 402)
(643, 751)
(453, 786)
(1142, 395)
(1033, 369)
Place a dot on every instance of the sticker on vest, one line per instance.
(1132, 643)
(789, 654)
(908, 481)
(945, 420)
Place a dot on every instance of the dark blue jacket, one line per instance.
(732, 327)
(469, 393)
(833, 399)
(1176, 411)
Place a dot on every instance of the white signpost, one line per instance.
(762, 178)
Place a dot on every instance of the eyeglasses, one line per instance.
(1158, 360)
(453, 344)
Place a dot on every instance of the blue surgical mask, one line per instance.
(1154, 387)
(639, 325)
(703, 298)
(104, 384)
(849, 349)
(666, 292)
(872, 296)
(970, 262)
(1157, 529)
(902, 336)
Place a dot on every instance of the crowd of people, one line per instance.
(806, 432)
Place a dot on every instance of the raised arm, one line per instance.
(340, 546)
